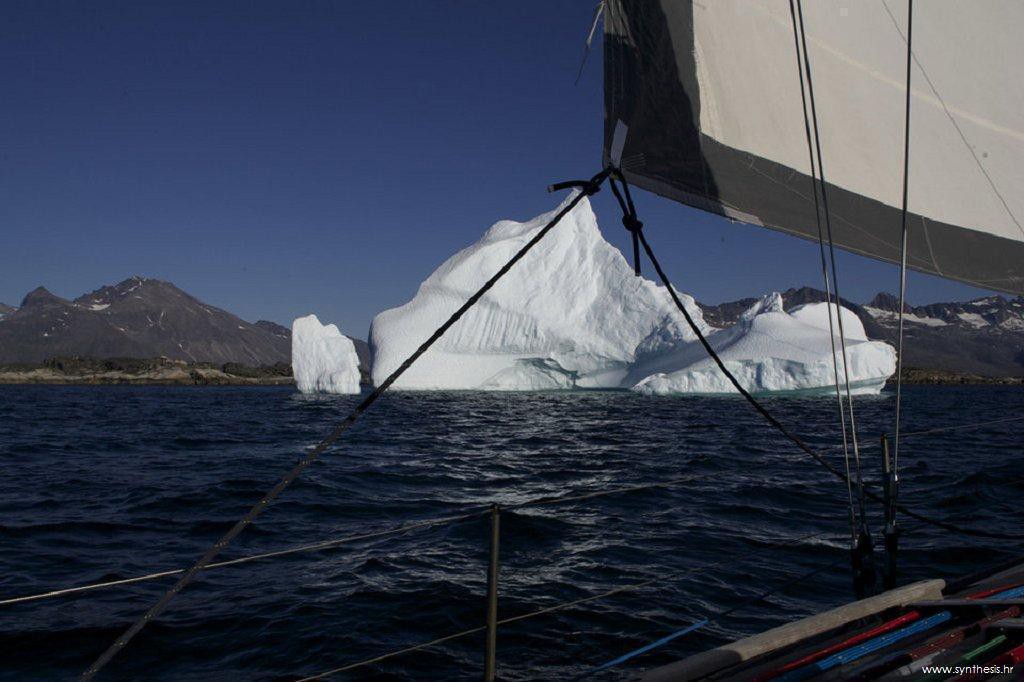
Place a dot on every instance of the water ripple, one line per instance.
(105, 483)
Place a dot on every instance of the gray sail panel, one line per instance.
(710, 95)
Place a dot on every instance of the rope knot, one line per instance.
(587, 187)
(632, 224)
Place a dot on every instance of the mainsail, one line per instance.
(703, 105)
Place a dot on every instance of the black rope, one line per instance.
(728, 375)
(963, 582)
(629, 219)
(862, 551)
(961, 427)
(714, 619)
(796, 440)
(471, 512)
(592, 186)
(891, 532)
(288, 551)
(562, 605)
(598, 11)
(588, 187)
(903, 242)
(824, 271)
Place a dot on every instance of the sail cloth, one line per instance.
(703, 105)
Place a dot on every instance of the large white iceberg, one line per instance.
(570, 314)
(323, 360)
(770, 350)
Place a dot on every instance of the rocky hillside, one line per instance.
(137, 318)
(983, 337)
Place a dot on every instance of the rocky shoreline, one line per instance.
(930, 377)
(144, 372)
(165, 372)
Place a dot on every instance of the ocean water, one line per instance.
(102, 483)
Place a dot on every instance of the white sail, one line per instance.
(709, 97)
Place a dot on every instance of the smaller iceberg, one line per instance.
(770, 350)
(815, 315)
(323, 359)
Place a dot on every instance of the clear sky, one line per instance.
(281, 158)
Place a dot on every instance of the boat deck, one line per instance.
(969, 630)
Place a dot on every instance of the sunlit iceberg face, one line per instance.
(323, 360)
(570, 314)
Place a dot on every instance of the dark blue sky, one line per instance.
(282, 158)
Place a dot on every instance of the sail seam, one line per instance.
(952, 119)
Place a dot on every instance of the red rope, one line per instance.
(903, 619)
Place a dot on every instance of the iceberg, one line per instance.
(323, 360)
(770, 350)
(570, 314)
(815, 315)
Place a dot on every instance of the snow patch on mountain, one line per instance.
(909, 318)
(973, 319)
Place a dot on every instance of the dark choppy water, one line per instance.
(102, 483)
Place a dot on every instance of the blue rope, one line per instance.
(868, 647)
(872, 645)
(701, 623)
(653, 645)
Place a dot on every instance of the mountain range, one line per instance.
(147, 318)
(139, 318)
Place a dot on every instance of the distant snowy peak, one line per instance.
(888, 303)
(990, 312)
(727, 314)
(139, 318)
(41, 297)
(135, 287)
